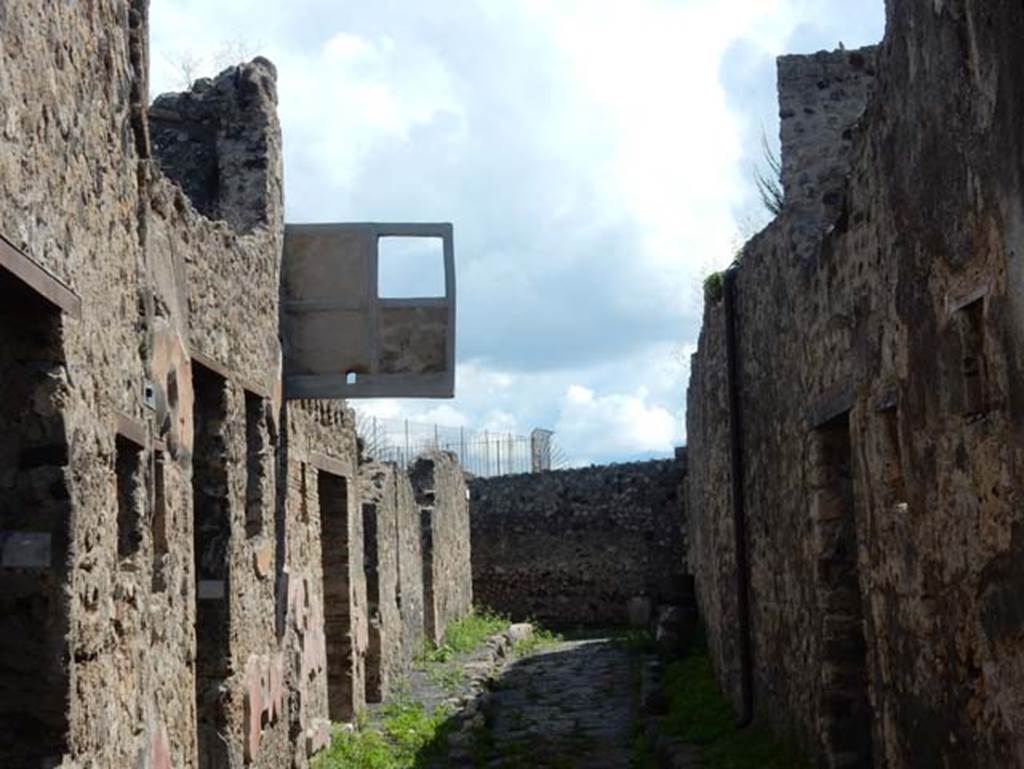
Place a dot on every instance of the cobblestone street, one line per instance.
(571, 705)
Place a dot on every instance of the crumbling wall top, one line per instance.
(822, 96)
(221, 143)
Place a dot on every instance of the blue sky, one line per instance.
(594, 156)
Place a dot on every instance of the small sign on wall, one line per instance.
(210, 590)
(25, 549)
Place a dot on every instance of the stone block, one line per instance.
(639, 611)
(263, 559)
(318, 736)
(519, 631)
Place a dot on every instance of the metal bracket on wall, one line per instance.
(340, 338)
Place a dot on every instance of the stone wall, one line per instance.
(188, 590)
(321, 611)
(439, 486)
(878, 347)
(394, 559)
(410, 595)
(577, 547)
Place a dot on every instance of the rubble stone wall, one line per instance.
(396, 615)
(576, 547)
(440, 493)
(410, 597)
(182, 551)
(321, 584)
(881, 441)
(70, 199)
(378, 498)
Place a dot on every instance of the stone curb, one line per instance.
(472, 705)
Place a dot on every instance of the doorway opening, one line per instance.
(371, 566)
(212, 543)
(844, 710)
(332, 491)
(34, 515)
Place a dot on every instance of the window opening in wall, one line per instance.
(410, 267)
(371, 567)
(257, 464)
(332, 491)
(212, 547)
(971, 323)
(844, 707)
(34, 517)
(131, 495)
(159, 525)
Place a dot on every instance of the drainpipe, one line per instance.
(738, 512)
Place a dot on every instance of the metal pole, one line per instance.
(462, 444)
(435, 435)
(487, 455)
(406, 463)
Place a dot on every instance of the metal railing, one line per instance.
(483, 453)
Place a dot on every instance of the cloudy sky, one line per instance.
(595, 157)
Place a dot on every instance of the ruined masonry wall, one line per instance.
(575, 547)
(410, 596)
(439, 487)
(395, 562)
(315, 431)
(882, 427)
(69, 197)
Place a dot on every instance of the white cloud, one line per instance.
(623, 424)
(593, 155)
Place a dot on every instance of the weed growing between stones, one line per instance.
(539, 640)
(465, 634)
(638, 641)
(699, 714)
(446, 676)
(404, 738)
(714, 287)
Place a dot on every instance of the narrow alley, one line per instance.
(571, 705)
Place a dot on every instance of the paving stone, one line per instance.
(572, 705)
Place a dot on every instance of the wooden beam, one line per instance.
(226, 373)
(39, 280)
(330, 464)
(131, 430)
(835, 403)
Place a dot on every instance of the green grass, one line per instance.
(540, 639)
(464, 635)
(698, 713)
(714, 286)
(446, 675)
(403, 740)
(634, 640)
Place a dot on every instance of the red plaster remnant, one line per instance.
(304, 608)
(264, 698)
(159, 754)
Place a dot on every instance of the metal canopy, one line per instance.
(341, 340)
